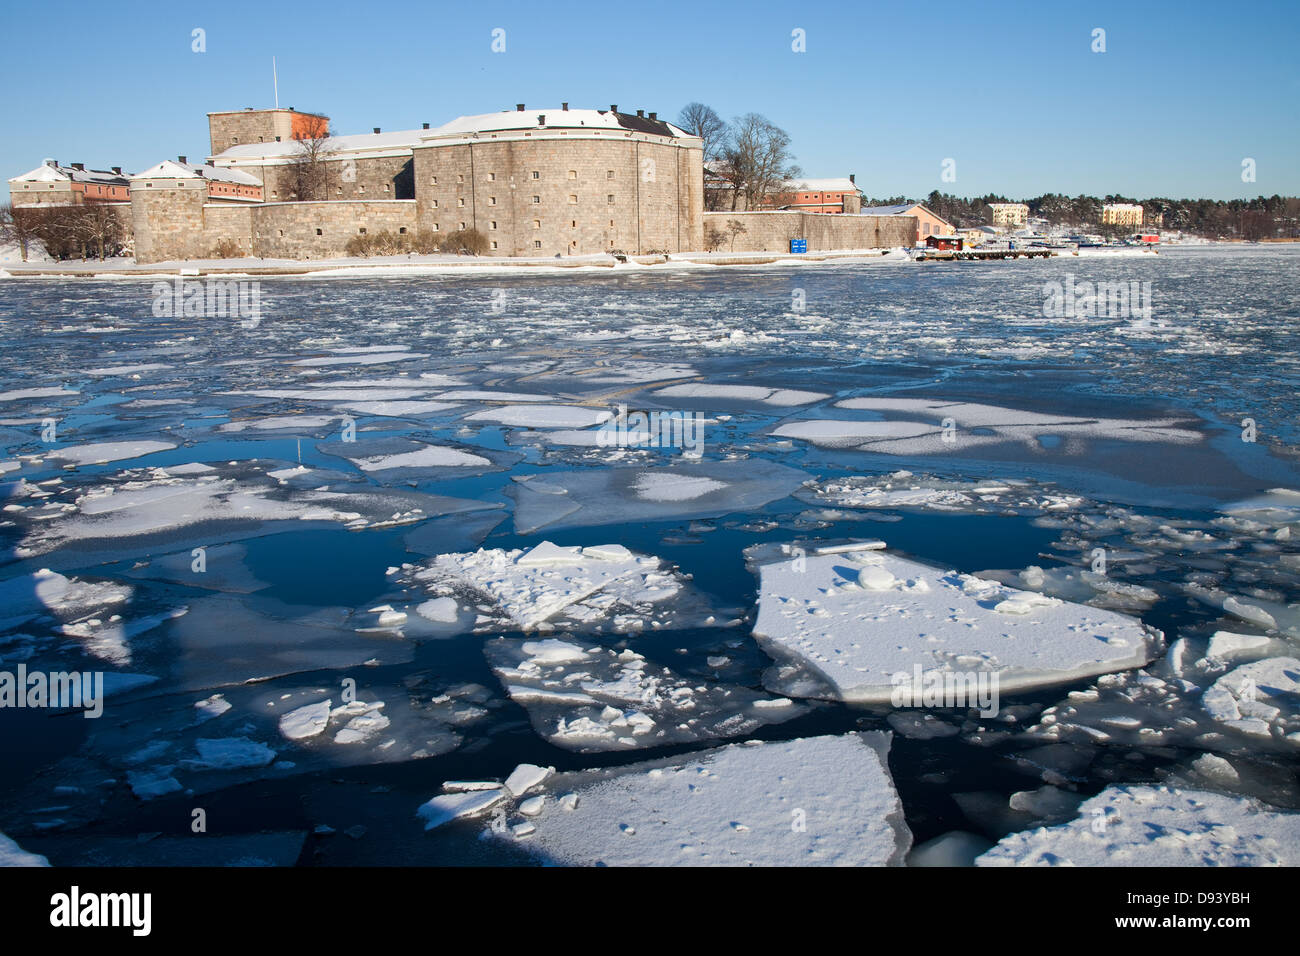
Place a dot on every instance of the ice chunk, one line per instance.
(431, 456)
(11, 854)
(449, 806)
(547, 583)
(857, 641)
(1158, 826)
(307, 721)
(230, 754)
(101, 452)
(591, 699)
(1261, 699)
(956, 848)
(527, 776)
(612, 496)
(543, 416)
(811, 801)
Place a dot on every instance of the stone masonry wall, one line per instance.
(772, 231)
(552, 195)
(321, 230)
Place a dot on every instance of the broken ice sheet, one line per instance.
(120, 515)
(1158, 826)
(815, 801)
(620, 495)
(844, 625)
(398, 459)
(164, 744)
(588, 698)
(231, 639)
(546, 586)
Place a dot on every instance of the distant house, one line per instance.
(818, 195)
(50, 184)
(927, 223)
(947, 243)
(831, 195)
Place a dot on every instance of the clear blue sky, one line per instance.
(1010, 90)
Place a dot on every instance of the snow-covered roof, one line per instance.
(507, 120)
(833, 185)
(900, 209)
(357, 142)
(172, 169)
(504, 121)
(50, 172)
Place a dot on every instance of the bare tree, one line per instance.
(699, 120)
(17, 225)
(98, 228)
(756, 159)
(735, 228)
(308, 169)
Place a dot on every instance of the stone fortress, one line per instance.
(543, 183)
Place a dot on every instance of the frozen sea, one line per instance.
(304, 550)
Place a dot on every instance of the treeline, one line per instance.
(86, 231)
(1274, 217)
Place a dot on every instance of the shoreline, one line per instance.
(354, 267)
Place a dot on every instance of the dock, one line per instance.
(945, 255)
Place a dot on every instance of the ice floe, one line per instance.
(852, 623)
(546, 586)
(815, 801)
(591, 698)
(1158, 826)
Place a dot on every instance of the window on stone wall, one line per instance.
(609, 174)
(537, 243)
(401, 231)
(361, 188)
(282, 232)
(537, 224)
(433, 180)
(435, 227)
(492, 200)
(573, 223)
(494, 223)
(234, 139)
(537, 200)
(461, 203)
(460, 177)
(573, 200)
(611, 222)
(492, 177)
(319, 233)
(609, 198)
(340, 190)
(362, 230)
(435, 204)
(385, 187)
(573, 174)
(462, 227)
(536, 174)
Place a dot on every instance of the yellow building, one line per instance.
(1121, 214)
(1009, 213)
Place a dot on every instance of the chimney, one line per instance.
(565, 107)
(210, 163)
(52, 163)
(519, 107)
(613, 107)
(426, 125)
(181, 160)
(277, 139)
(853, 179)
(80, 166)
(118, 170)
(376, 129)
(541, 119)
(654, 116)
(641, 113)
